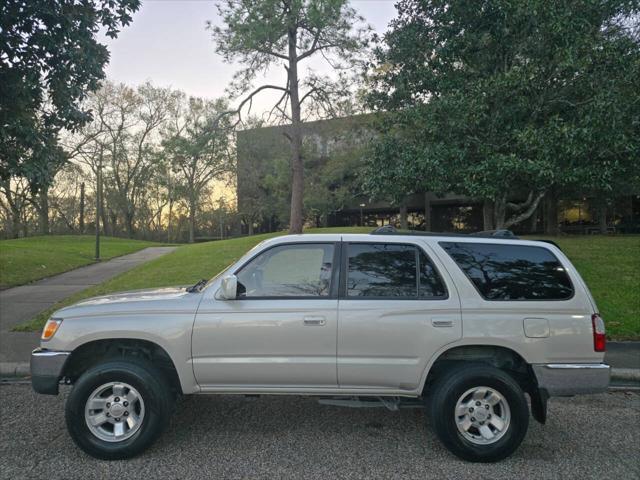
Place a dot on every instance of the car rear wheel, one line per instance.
(118, 408)
(478, 412)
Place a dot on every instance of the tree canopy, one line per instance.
(197, 148)
(494, 98)
(49, 60)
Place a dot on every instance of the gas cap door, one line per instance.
(536, 327)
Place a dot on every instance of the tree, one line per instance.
(333, 156)
(487, 98)
(14, 204)
(131, 120)
(49, 61)
(261, 34)
(608, 125)
(197, 147)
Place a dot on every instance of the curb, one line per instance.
(625, 374)
(14, 369)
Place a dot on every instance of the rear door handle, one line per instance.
(441, 322)
(315, 321)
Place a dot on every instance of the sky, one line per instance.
(167, 43)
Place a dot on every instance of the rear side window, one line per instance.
(391, 271)
(511, 272)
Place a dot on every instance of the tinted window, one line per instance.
(288, 271)
(430, 284)
(512, 272)
(391, 271)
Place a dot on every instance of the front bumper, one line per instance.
(46, 369)
(562, 379)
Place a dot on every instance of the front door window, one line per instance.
(298, 270)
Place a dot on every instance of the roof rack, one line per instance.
(497, 234)
(551, 242)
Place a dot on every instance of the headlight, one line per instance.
(50, 328)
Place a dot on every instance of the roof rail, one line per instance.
(551, 242)
(497, 234)
(385, 229)
(503, 233)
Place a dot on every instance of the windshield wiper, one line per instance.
(197, 286)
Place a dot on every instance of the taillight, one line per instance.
(599, 337)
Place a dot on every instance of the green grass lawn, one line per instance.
(609, 265)
(27, 259)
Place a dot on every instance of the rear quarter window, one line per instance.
(511, 272)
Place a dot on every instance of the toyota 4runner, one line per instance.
(464, 325)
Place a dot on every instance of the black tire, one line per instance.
(441, 404)
(150, 384)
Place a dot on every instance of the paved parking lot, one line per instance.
(286, 437)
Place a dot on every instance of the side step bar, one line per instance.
(390, 403)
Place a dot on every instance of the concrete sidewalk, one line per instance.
(20, 304)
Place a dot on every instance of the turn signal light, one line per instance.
(599, 337)
(50, 328)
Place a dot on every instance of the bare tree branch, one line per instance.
(248, 99)
(528, 212)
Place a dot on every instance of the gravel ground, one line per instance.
(286, 437)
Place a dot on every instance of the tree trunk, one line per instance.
(522, 211)
(16, 213)
(128, 223)
(108, 220)
(169, 220)
(43, 211)
(533, 222)
(192, 219)
(602, 218)
(250, 226)
(81, 220)
(427, 212)
(500, 212)
(487, 215)
(15, 223)
(403, 217)
(297, 173)
(16, 220)
(551, 213)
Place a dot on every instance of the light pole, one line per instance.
(98, 202)
(221, 206)
(362, 205)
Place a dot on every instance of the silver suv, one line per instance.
(465, 325)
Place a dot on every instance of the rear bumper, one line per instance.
(560, 379)
(46, 370)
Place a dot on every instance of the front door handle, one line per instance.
(315, 321)
(441, 322)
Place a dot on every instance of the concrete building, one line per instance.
(263, 191)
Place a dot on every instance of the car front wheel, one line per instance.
(478, 412)
(118, 408)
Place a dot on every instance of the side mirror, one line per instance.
(228, 288)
